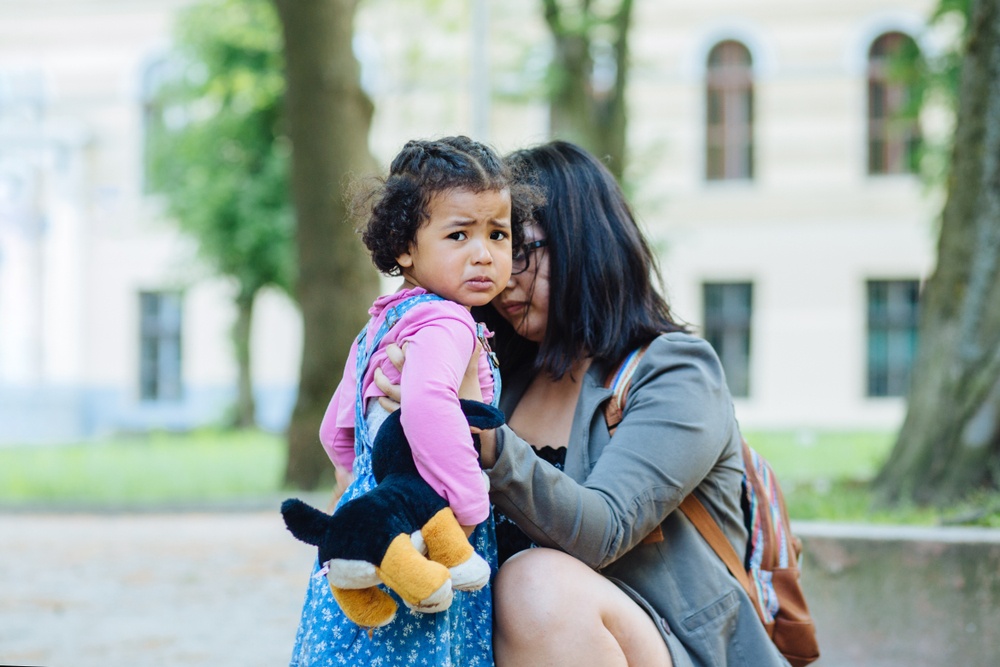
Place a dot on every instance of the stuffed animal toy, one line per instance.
(383, 535)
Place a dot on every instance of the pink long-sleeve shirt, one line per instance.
(440, 336)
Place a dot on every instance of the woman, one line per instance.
(620, 577)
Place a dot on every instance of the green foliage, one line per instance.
(853, 501)
(934, 80)
(824, 475)
(588, 74)
(216, 147)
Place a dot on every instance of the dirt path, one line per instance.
(149, 589)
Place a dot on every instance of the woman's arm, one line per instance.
(678, 422)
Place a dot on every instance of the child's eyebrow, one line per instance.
(468, 222)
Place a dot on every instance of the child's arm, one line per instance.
(471, 389)
(437, 355)
(338, 440)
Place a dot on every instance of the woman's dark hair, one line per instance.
(423, 168)
(604, 299)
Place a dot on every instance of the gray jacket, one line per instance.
(678, 434)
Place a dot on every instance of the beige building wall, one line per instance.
(812, 226)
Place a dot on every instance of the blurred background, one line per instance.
(788, 160)
(792, 227)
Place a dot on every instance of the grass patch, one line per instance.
(154, 469)
(821, 456)
(826, 476)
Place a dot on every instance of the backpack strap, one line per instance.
(709, 529)
(620, 381)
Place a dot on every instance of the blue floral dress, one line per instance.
(461, 636)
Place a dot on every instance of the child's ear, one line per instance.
(405, 260)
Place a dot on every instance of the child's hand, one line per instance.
(344, 479)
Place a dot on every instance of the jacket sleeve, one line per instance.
(677, 422)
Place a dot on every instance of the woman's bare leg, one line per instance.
(551, 609)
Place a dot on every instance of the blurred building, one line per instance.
(765, 161)
(781, 184)
(108, 323)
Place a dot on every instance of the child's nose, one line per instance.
(481, 254)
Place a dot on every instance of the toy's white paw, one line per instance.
(471, 575)
(437, 601)
(417, 539)
(344, 573)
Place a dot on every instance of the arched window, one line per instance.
(893, 129)
(729, 113)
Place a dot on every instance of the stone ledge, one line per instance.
(895, 596)
(885, 533)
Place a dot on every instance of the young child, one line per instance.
(446, 219)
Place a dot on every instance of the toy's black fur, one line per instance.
(363, 528)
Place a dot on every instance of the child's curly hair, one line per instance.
(423, 168)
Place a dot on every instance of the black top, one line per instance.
(510, 538)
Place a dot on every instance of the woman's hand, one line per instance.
(397, 355)
(469, 389)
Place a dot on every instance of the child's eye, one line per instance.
(499, 236)
(457, 236)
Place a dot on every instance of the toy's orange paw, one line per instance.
(446, 541)
(368, 607)
(416, 579)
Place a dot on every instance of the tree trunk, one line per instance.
(245, 416)
(591, 115)
(949, 445)
(328, 122)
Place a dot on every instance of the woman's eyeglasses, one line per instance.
(522, 256)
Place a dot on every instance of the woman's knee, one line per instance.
(547, 599)
(539, 587)
(521, 586)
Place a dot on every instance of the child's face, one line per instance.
(462, 252)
